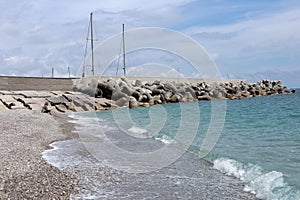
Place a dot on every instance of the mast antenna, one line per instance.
(124, 61)
(92, 44)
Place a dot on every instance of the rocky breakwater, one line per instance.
(137, 93)
(96, 94)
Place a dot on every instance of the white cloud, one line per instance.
(15, 60)
(259, 40)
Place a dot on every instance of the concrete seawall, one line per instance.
(15, 83)
(18, 83)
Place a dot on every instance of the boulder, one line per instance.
(105, 89)
(205, 97)
(167, 95)
(138, 83)
(122, 102)
(133, 103)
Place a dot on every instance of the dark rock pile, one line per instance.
(144, 93)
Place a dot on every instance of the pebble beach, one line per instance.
(24, 174)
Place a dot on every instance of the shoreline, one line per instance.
(27, 175)
(187, 178)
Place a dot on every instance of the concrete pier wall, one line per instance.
(15, 83)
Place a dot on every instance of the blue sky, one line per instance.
(252, 40)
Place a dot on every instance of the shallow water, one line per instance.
(259, 145)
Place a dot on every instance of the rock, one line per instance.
(17, 105)
(56, 100)
(167, 96)
(171, 87)
(133, 103)
(156, 91)
(61, 108)
(175, 98)
(205, 97)
(2, 106)
(116, 95)
(156, 82)
(105, 90)
(151, 102)
(33, 106)
(122, 102)
(138, 83)
(136, 94)
(145, 104)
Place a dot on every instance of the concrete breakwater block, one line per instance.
(97, 95)
(60, 101)
(146, 93)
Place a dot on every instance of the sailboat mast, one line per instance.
(124, 63)
(92, 43)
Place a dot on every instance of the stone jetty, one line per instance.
(101, 94)
(135, 93)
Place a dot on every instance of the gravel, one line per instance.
(24, 174)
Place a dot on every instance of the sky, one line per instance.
(252, 40)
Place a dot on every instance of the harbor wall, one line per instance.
(15, 83)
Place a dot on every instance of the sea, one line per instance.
(223, 149)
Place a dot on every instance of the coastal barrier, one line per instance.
(15, 83)
(102, 93)
(139, 92)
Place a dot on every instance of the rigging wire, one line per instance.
(119, 56)
(85, 51)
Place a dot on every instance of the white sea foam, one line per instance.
(265, 185)
(137, 132)
(164, 139)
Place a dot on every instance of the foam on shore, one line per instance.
(265, 185)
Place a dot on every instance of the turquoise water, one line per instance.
(259, 142)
